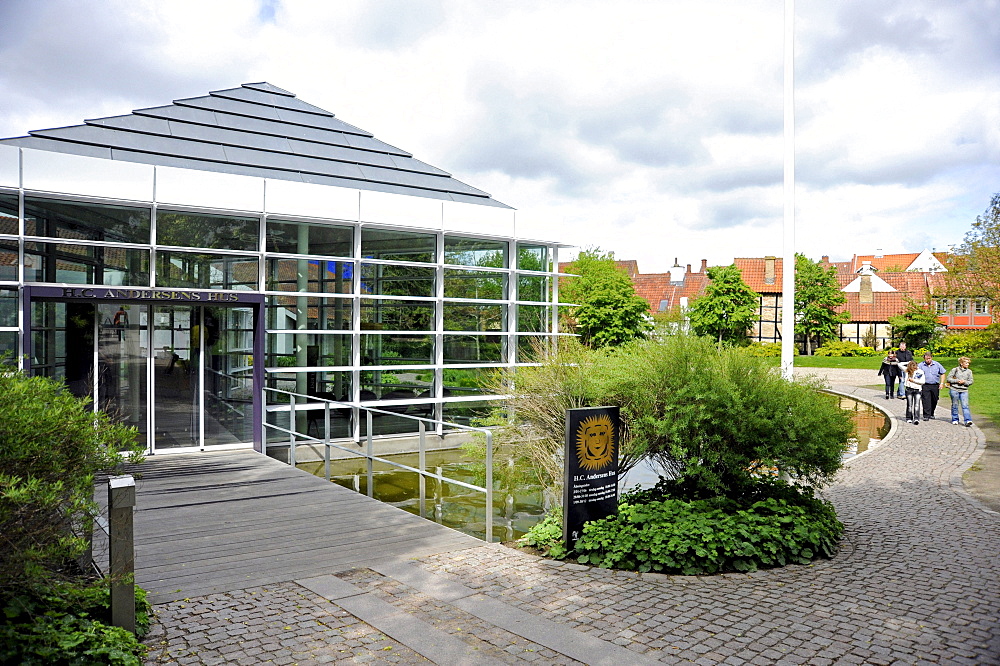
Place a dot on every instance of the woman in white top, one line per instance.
(914, 384)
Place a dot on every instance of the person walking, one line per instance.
(934, 374)
(889, 372)
(903, 356)
(959, 381)
(914, 382)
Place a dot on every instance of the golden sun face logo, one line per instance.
(595, 442)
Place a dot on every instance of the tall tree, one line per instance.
(974, 269)
(608, 311)
(817, 294)
(728, 308)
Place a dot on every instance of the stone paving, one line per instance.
(917, 581)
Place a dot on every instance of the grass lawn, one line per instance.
(984, 396)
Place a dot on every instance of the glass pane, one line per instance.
(328, 384)
(396, 349)
(307, 350)
(465, 381)
(463, 413)
(86, 264)
(474, 317)
(8, 214)
(475, 252)
(229, 376)
(532, 257)
(305, 238)
(397, 315)
(205, 271)
(474, 348)
(388, 280)
(309, 312)
(532, 318)
(209, 231)
(474, 284)
(8, 347)
(64, 219)
(533, 288)
(8, 260)
(390, 385)
(8, 307)
(310, 275)
(398, 245)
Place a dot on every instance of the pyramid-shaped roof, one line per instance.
(260, 130)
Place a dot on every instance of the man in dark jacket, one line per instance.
(904, 356)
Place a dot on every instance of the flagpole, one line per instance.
(788, 256)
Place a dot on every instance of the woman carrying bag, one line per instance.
(914, 385)
(889, 372)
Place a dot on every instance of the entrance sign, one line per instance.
(130, 294)
(590, 486)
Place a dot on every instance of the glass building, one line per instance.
(174, 262)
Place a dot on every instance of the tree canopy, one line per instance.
(917, 326)
(974, 268)
(608, 311)
(817, 293)
(728, 308)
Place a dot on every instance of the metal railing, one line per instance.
(298, 403)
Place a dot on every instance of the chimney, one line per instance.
(769, 269)
(704, 265)
(866, 296)
(689, 268)
(825, 258)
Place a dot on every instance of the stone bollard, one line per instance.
(121, 502)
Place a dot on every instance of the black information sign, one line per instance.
(590, 488)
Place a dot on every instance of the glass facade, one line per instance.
(411, 320)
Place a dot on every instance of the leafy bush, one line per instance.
(69, 624)
(711, 416)
(969, 343)
(51, 446)
(652, 532)
(846, 348)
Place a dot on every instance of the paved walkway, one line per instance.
(917, 581)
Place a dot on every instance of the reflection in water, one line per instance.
(514, 513)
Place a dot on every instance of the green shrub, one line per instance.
(51, 446)
(713, 535)
(767, 349)
(846, 348)
(962, 343)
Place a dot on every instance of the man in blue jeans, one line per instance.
(933, 381)
(959, 381)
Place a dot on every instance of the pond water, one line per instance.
(514, 514)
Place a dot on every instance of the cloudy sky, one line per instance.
(649, 128)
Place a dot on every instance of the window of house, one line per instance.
(980, 306)
(942, 305)
(961, 306)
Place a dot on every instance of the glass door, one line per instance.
(177, 376)
(122, 353)
(228, 389)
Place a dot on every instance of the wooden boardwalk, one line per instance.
(222, 521)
